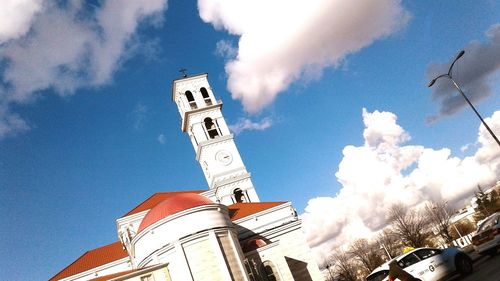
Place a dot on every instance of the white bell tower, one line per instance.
(201, 117)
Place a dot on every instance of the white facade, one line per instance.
(202, 119)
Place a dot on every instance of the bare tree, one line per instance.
(368, 254)
(438, 214)
(389, 241)
(408, 224)
(345, 267)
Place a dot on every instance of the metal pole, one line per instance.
(473, 108)
(462, 93)
(330, 273)
(387, 252)
(454, 226)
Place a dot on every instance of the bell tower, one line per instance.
(201, 118)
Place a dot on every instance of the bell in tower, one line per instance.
(228, 180)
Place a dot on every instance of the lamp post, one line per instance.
(330, 273)
(448, 75)
(387, 252)
(447, 215)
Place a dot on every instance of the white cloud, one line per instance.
(466, 147)
(139, 116)
(225, 49)
(384, 171)
(488, 150)
(16, 17)
(245, 124)
(162, 139)
(281, 40)
(68, 46)
(10, 123)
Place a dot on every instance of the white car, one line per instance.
(487, 237)
(427, 264)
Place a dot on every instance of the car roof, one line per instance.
(487, 218)
(491, 217)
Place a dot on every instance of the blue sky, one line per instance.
(329, 92)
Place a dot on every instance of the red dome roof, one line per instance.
(171, 206)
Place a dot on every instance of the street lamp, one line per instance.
(448, 75)
(387, 252)
(447, 215)
(328, 268)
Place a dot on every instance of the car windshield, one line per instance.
(489, 223)
(426, 253)
(410, 259)
(378, 276)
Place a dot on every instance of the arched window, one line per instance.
(211, 128)
(268, 272)
(206, 97)
(239, 196)
(191, 101)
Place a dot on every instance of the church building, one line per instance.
(221, 233)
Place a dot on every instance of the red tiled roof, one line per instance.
(92, 259)
(156, 198)
(241, 210)
(173, 205)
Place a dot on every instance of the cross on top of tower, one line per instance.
(184, 72)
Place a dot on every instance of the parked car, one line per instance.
(486, 240)
(427, 264)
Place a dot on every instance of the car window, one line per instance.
(378, 276)
(408, 260)
(426, 253)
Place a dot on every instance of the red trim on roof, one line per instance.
(92, 259)
(156, 198)
(241, 210)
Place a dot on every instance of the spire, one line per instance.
(201, 118)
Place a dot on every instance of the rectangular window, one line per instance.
(147, 278)
(208, 101)
(192, 104)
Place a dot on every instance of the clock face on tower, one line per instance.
(224, 157)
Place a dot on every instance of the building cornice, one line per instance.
(95, 270)
(185, 79)
(202, 145)
(185, 117)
